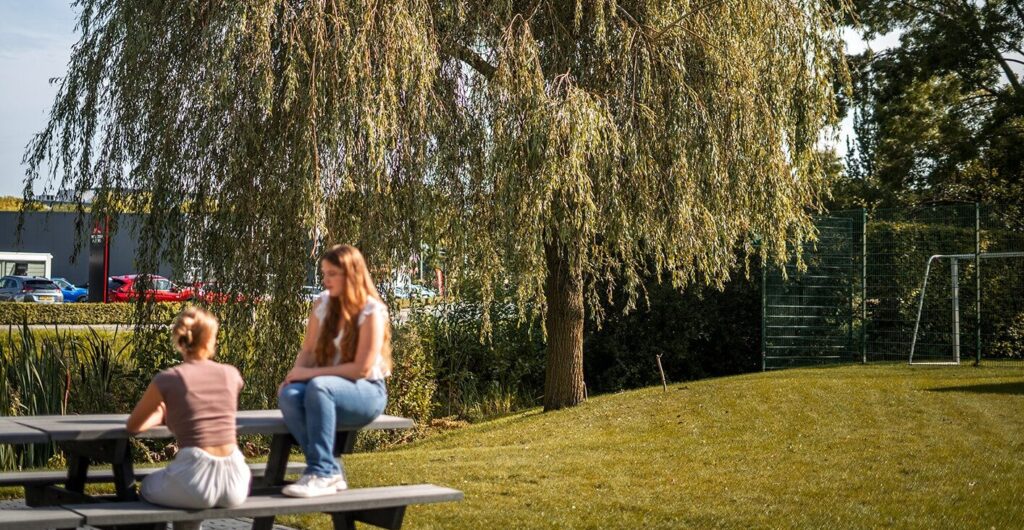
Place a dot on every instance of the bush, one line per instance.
(412, 384)
(16, 313)
(79, 372)
(410, 388)
(478, 375)
(699, 333)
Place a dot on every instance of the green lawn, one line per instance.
(855, 446)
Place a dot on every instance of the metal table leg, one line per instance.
(273, 477)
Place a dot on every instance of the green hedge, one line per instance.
(17, 313)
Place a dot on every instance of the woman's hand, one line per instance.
(299, 373)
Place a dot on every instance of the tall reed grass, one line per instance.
(8, 458)
(102, 362)
(38, 378)
(59, 372)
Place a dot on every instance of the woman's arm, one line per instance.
(148, 413)
(371, 340)
(306, 358)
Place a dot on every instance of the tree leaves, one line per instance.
(936, 115)
(640, 136)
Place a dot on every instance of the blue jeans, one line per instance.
(314, 409)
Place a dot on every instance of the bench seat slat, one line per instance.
(42, 478)
(40, 519)
(269, 505)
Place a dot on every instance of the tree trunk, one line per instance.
(563, 381)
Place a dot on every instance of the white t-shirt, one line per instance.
(379, 370)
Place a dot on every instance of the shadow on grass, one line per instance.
(1015, 388)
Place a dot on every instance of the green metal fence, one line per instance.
(809, 312)
(937, 284)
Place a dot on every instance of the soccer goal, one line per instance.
(954, 285)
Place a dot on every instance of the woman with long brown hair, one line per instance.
(338, 377)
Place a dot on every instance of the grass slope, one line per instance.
(854, 446)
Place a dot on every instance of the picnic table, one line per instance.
(101, 438)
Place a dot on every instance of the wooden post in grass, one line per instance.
(662, 371)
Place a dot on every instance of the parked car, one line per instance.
(29, 289)
(405, 290)
(310, 292)
(72, 293)
(211, 293)
(419, 291)
(411, 290)
(157, 288)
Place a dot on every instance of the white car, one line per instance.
(412, 290)
(311, 292)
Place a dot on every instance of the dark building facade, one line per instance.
(54, 233)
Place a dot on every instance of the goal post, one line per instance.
(954, 270)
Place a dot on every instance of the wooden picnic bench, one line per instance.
(35, 480)
(89, 439)
(381, 506)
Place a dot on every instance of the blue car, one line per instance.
(71, 292)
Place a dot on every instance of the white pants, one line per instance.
(196, 480)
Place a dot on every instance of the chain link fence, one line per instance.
(936, 284)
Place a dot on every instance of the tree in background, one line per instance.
(940, 116)
(564, 148)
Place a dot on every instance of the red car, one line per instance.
(211, 293)
(157, 288)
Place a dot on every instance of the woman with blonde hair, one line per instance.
(198, 400)
(338, 377)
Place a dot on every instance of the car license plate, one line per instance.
(45, 298)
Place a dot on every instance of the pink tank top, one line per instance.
(201, 399)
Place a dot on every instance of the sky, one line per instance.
(36, 37)
(855, 44)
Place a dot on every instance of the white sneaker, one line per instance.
(314, 486)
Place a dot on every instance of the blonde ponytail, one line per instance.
(192, 330)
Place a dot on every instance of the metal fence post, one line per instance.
(977, 283)
(764, 309)
(853, 289)
(864, 285)
(954, 287)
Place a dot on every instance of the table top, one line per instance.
(86, 427)
(15, 433)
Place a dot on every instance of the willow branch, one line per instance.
(468, 56)
(683, 17)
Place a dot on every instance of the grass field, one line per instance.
(843, 447)
(854, 446)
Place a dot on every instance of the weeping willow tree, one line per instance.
(570, 148)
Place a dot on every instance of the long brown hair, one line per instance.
(343, 312)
